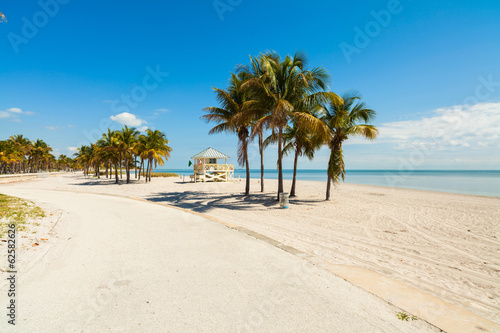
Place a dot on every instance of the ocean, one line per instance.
(476, 182)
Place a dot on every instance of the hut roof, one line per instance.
(210, 153)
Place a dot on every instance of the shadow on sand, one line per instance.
(202, 201)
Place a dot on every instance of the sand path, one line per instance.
(125, 265)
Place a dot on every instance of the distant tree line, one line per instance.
(124, 149)
(21, 155)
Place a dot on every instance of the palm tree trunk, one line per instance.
(292, 191)
(328, 185)
(280, 163)
(150, 169)
(135, 166)
(121, 174)
(146, 173)
(247, 186)
(329, 178)
(127, 169)
(261, 150)
(116, 174)
(140, 168)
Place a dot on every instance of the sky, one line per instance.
(70, 69)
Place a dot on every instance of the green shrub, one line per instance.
(163, 174)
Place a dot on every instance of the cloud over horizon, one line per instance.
(448, 128)
(461, 126)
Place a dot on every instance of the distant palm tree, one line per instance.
(84, 157)
(23, 146)
(2, 18)
(106, 156)
(128, 139)
(232, 117)
(343, 117)
(156, 149)
(40, 153)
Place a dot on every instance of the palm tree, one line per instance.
(128, 139)
(84, 157)
(40, 154)
(285, 88)
(344, 118)
(23, 145)
(156, 149)
(232, 117)
(301, 142)
(255, 71)
(2, 17)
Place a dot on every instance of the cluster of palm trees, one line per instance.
(125, 149)
(284, 98)
(21, 155)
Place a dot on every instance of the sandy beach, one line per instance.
(447, 245)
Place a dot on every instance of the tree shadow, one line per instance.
(203, 201)
(105, 182)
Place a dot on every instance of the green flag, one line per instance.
(190, 163)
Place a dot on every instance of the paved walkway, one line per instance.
(123, 265)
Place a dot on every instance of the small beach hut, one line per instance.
(206, 167)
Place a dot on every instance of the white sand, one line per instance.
(445, 244)
(123, 265)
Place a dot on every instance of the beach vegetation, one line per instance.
(405, 316)
(17, 211)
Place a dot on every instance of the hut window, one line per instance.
(212, 161)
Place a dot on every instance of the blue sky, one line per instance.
(430, 70)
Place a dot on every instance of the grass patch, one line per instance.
(17, 211)
(163, 174)
(405, 316)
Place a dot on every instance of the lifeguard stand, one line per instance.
(207, 169)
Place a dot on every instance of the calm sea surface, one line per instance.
(468, 182)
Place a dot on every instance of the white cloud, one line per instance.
(142, 129)
(14, 113)
(162, 110)
(107, 101)
(128, 119)
(52, 128)
(69, 125)
(15, 110)
(73, 149)
(447, 128)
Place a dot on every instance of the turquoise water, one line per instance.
(477, 182)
